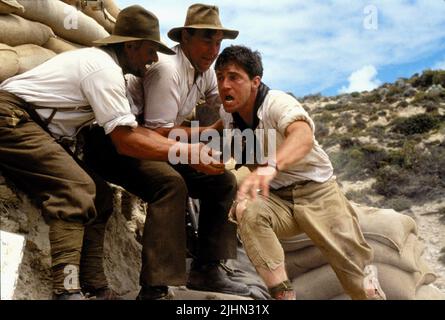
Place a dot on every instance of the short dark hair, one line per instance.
(247, 59)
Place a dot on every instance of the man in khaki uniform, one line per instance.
(304, 194)
(45, 107)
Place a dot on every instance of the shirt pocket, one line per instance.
(11, 116)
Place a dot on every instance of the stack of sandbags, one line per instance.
(397, 254)
(33, 31)
(105, 12)
(31, 55)
(9, 62)
(64, 20)
(10, 6)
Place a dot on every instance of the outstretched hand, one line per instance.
(208, 161)
(257, 182)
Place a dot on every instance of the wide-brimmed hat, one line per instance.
(135, 23)
(202, 16)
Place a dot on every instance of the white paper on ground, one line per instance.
(11, 257)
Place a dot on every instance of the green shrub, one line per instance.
(372, 98)
(333, 106)
(419, 97)
(360, 196)
(389, 181)
(417, 124)
(402, 104)
(439, 77)
(428, 78)
(359, 124)
(399, 203)
(355, 94)
(346, 142)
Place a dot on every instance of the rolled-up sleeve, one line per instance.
(285, 110)
(105, 90)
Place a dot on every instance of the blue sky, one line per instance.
(327, 46)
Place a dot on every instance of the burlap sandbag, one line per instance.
(31, 55)
(65, 20)
(303, 260)
(322, 283)
(59, 45)
(402, 285)
(9, 62)
(10, 6)
(383, 225)
(16, 31)
(424, 292)
(112, 7)
(429, 292)
(101, 17)
(109, 5)
(317, 284)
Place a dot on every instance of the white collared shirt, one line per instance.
(170, 91)
(84, 85)
(278, 111)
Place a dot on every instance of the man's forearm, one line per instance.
(141, 143)
(298, 143)
(188, 130)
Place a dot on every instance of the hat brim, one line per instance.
(175, 33)
(120, 39)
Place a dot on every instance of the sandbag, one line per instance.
(59, 45)
(385, 225)
(16, 30)
(322, 283)
(102, 17)
(31, 55)
(112, 7)
(408, 259)
(65, 20)
(382, 225)
(9, 62)
(401, 285)
(429, 292)
(317, 284)
(109, 5)
(10, 6)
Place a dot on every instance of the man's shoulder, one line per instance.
(281, 97)
(167, 65)
(95, 58)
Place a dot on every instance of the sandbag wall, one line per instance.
(403, 274)
(33, 31)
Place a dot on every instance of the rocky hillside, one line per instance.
(388, 150)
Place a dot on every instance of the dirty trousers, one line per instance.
(74, 202)
(322, 212)
(165, 188)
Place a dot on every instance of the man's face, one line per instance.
(202, 49)
(236, 90)
(139, 55)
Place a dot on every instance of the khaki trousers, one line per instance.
(75, 203)
(322, 212)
